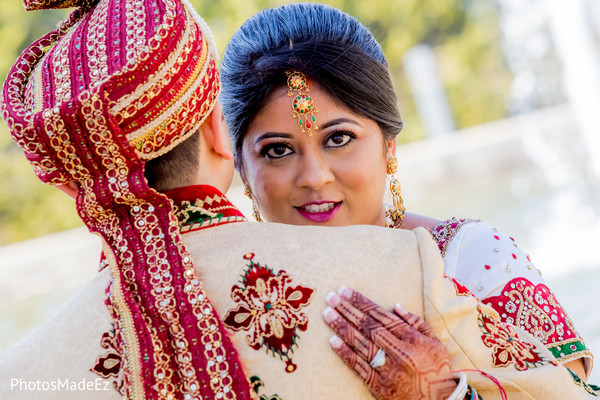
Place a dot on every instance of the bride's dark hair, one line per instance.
(329, 46)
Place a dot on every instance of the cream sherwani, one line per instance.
(295, 267)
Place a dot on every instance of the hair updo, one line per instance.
(327, 45)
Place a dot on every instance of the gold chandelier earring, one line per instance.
(395, 214)
(255, 212)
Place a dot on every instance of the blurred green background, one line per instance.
(464, 34)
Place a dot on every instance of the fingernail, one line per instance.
(335, 342)
(399, 307)
(332, 299)
(329, 314)
(345, 292)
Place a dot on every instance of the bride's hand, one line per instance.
(395, 353)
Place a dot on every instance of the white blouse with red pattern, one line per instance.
(493, 267)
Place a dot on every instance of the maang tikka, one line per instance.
(303, 106)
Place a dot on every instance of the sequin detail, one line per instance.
(190, 220)
(535, 309)
(444, 232)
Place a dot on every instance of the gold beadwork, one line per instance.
(255, 212)
(392, 166)
(303, 105)
(149, 139)
(396, 213)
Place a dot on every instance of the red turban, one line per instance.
(121, 82)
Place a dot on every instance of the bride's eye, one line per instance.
(339, 139)
(276, 150)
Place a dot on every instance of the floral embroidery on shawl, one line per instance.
(269, 309)
(444, 232)
(109, 365)
(507, 347)
(535, 309)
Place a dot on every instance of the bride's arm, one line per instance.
(503, 276)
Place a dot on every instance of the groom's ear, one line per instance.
(216, 133)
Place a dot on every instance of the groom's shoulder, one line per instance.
(351, 238)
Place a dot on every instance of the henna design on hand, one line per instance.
(417, 364)
(363, 346)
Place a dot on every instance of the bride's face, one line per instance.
(335, 177)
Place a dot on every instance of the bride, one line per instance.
(313, 117)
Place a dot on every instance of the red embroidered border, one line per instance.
(535, 309)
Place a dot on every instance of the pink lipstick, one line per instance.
(319, 212)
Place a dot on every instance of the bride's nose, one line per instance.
(314, 171)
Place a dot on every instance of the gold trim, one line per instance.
(132, 353)
(149, 130)
(37, 87)
(207, 107)
(134, 96)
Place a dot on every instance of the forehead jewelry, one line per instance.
(303, 106)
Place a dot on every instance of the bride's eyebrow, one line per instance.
(339, 121)
(269, 135)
